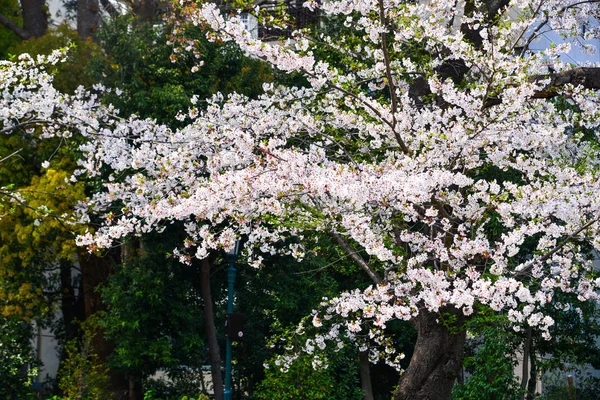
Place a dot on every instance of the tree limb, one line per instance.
(523, 270)
(109, 8)
(357, 258)
(14, 153)
(390, 78)
(588, 77)
(9, 24)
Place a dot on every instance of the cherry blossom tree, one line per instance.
(441, 155)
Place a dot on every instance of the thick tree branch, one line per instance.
(24, 124)
(357, 258)
(109, 8)
(9, 24)
(588, 77)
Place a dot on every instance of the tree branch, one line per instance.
(357, 258)
(14, 153)
(588, 77)
(25, 124)
(9, 24)
(109, 8)
(523, 270)
(390, 78)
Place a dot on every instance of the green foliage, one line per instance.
(338, 381)
(36, 235)
(83, 374)
(276, 298)
(11, 9)
(491, 368)
(180, 380)
(138, 62)
(152, 395)
(75, 71)
(39, 223)
(18, 367)
(574, 334)
(153, 314)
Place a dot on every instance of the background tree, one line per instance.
(17, 362)
(10, 9)
(32, 22)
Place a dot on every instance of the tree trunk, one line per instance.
(144, 10)
(436, 360)
(135, 389)
(94, 272)
(35, 19)
(526, 351)
(365, 375)
(70, 305)
(532, 384)
(88, 18)
(214, 351)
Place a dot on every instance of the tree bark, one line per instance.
(9, 24)
(35, 19)
(144, 10)
(88, 18)
(532, 384)
(95, 271)
(70, 305)
(365, 375)
(214, 351)
(436, 360)
(526, 351)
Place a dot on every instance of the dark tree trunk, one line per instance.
(532, 384)
(88, 18)
(144, 10)
(135, 389)
(214, 351)
(365, 375)
(526, 351)
(35, 19)
(436, 360)
(94, 272)
(131, 250)
(70, 305)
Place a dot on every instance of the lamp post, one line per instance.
(231, 256)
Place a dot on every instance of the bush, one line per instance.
(338, 381)
(492, 369)
(152, 395)
(83, 375)
(18, 367)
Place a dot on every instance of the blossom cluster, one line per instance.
(478, 192)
